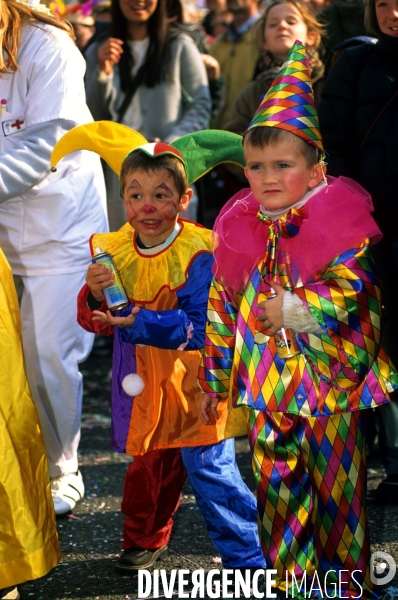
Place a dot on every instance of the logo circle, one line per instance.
(379, 561)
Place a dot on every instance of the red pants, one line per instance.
(151, 496)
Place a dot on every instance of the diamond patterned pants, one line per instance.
(311, 499)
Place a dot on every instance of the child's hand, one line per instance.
(116, 321)
(208, 404)
(98, 278)
(272, 315)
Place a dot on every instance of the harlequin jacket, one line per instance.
(321, 252)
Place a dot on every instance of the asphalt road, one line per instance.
(91, 537)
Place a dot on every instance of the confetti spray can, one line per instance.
(286, 343)
(285, 340)
(115, 295)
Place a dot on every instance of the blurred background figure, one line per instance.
(359, 122)
(317, 5)
(102, 11)
(217, 18)
(102, 21)
(45, 220)
(236, 54)
(343, 19)
(187, 21)
(83, 23)
(283, 22)
(274, 33)
(148, 76)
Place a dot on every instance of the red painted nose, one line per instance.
(148, 209)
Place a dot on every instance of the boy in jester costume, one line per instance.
(293, 252)
(165, 265)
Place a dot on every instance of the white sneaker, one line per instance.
(66, 491)
(9, 594)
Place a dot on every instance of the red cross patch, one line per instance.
(13, 126)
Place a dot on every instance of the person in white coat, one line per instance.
(45, 220)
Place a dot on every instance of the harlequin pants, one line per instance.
(311, 478)
(152, 490)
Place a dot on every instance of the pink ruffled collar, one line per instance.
(334, 220)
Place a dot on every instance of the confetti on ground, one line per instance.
(391, 593)
(90, 420)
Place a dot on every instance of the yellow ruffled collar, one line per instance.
(144, 276)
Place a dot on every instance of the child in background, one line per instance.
(29, 546)
(283, 22)
(165, 266)
(304, 242)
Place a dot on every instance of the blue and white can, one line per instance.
(115, 295)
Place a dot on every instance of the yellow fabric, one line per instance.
(112, 141)
(144, 279)
(28, 537)
(237, 63)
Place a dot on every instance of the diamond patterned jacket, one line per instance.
(342, 369)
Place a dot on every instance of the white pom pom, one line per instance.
(133, 384)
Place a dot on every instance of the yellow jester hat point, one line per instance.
(199, 151)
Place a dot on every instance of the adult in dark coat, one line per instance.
(358, 117)
(342, 20)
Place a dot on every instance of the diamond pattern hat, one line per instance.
(289, 103)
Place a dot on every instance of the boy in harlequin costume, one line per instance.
(165, 266)
(293, 252)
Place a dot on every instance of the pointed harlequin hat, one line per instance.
(289, 103)
(199, 152)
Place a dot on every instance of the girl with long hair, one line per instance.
(148, 76)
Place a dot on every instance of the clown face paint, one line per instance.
(152, 204)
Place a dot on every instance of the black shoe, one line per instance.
(387, 492)
(133, 559)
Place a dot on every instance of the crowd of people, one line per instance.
(278, 324)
